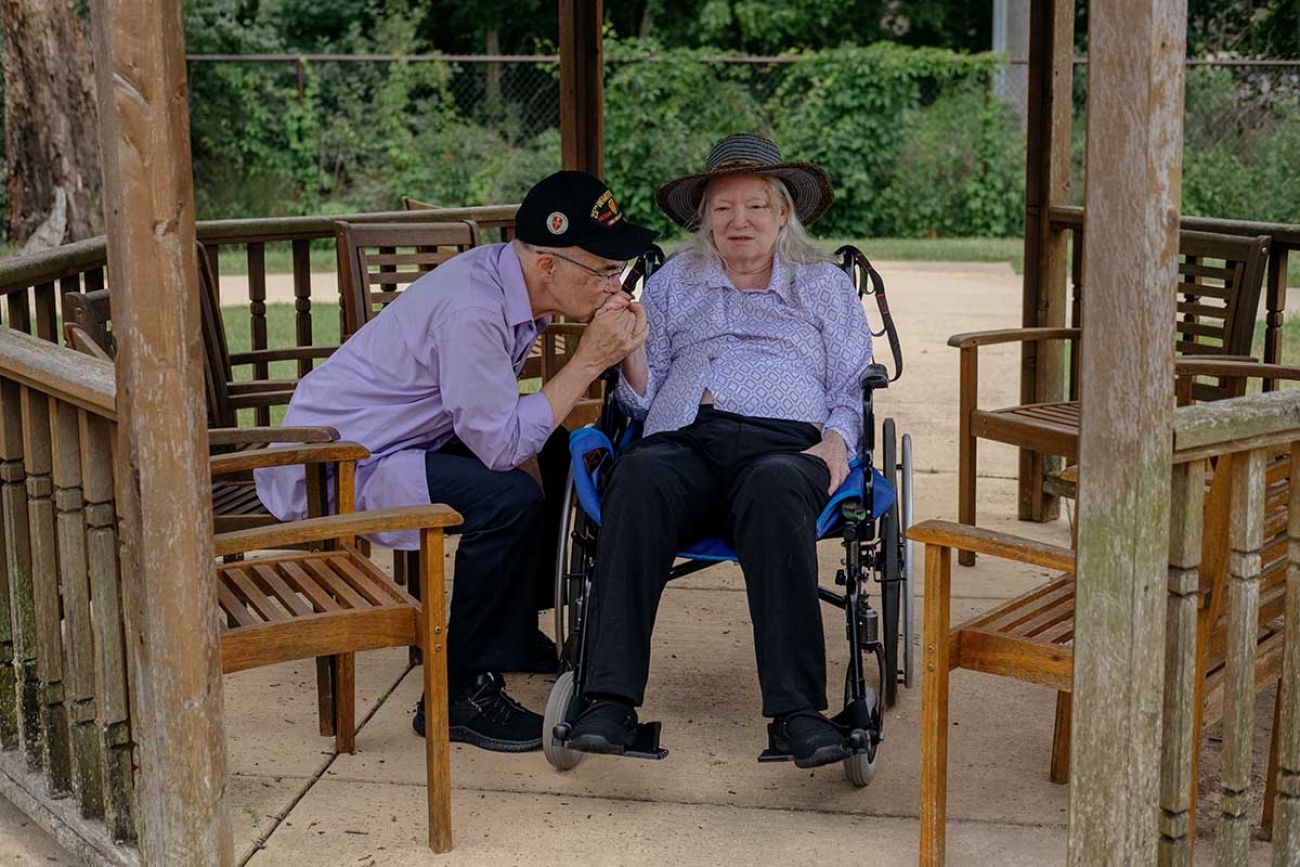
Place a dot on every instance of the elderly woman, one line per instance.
(749, 386)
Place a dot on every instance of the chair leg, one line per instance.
(345, 703)
(409, 563)
(968, 400)
(433, 636)
(326, 695)
(1270, 780)
(966, 475)
(934, 707)
(1060, 773)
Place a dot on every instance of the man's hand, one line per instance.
(832, 452)
(616, 329)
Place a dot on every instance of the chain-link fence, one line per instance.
(916, 143)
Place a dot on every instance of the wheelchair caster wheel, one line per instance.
(557, 708)
(859, 768)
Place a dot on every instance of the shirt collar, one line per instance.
(519, 309)
(782, 281)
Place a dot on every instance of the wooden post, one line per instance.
(163, 497)
(1180, 692)
(1286, 809)
(582, 86)
(1135, 87)
(1047, 183)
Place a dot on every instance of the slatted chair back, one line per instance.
(502, 229)
(378, 260)
(1220, 278)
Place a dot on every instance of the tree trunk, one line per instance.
(50, 123)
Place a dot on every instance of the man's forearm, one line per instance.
(567, 387)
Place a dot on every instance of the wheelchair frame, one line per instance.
(873, 549)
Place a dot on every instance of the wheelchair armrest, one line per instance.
(876, 377)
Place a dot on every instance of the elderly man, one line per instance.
(430, 388)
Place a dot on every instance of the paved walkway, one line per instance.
(292, 802)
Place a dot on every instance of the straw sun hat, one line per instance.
(745, 155)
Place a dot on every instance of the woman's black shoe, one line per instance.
(811, 738)
(484, 716)
(605, 726)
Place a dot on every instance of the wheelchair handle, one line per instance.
(853, 259)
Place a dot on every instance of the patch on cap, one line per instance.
(606, 210)
(557, 223)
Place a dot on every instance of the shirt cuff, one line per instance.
(536, 421)
(637, 405)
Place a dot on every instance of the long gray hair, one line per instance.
(792, 242)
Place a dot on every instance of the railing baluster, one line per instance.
(38, 460)
(1245, 536)
(47, 312)
(111, 687)
(8, 667)
(1185, 525)
(257, 305)
(302, 305)
(20, 311)
(18, 551)
(1286, 803)
(79, 645)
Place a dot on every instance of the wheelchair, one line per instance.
(869, 514)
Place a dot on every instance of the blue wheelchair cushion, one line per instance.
(589, 441)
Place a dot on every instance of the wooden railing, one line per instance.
(66, 736)
(33, 286)
(1239, 602)
(1283, 237)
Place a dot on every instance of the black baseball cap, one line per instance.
(575, 209)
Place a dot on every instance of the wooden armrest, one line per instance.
(432, 516)
(283, 456)
(1221, 366)
(262, 385)
(248, 436)
(1011, 335)
(967, 538)
(287, 353)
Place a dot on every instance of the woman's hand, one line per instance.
(832, 452)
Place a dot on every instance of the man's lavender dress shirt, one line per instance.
(441, 360)
(797, 350)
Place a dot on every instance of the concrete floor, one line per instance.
(293, 802)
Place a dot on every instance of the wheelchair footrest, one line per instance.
(644, 743)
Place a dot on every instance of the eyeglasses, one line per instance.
(607, 276)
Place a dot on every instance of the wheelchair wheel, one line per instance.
(570, 561)
(906, 494)
(860, 768)
(557, 706)
(891, 566)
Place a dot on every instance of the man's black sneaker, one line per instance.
(811, 738)
(605, 726)
(484, 716)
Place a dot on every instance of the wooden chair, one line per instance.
(377, 260)
(332, 601)
(1030, 638)
(1220, 278)
(504, 227)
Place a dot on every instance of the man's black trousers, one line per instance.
(504, 572)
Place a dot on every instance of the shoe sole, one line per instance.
(595, 744)
(827, 755)
(463, 735)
